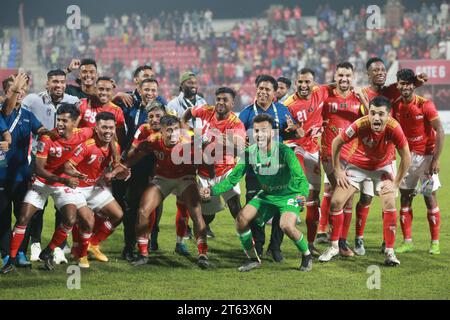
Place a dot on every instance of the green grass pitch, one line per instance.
(169, 276)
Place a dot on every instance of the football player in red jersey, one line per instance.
(153, 126)
(372, 139)
(170, 177)
(377, 74)
(339, 111)
(223, 128)
(423, 129)
(101, 101)
(53, 151)
(88, 163)
(306, 107)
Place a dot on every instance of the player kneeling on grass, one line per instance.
(284, 187)
(373, 138)
(54, 150)
(170, 177)
(88, 164)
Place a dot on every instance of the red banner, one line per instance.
(438, 71)
(5, 73)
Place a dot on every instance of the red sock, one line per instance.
(99, 220)
(102, 233)
(59, 235)
(324, 212)
(389, 227)
(336, 220)
(142, 243)
(85, 237)
(16, 240)
(346, 224)
(406, 217)
(361, 218)
(202, 246)
(312, 219)
(181, 220)
(434, 221)
(76, 241)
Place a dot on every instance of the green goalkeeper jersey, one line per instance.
(278, 171)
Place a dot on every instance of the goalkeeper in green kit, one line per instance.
(284, 188)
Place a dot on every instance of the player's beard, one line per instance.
(189, 92)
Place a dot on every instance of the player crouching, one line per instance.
(373, 140)
(88, 164)
(178, 179)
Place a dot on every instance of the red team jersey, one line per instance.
(338, 114)
(370, 150)
(308, 112)
(165, 167)
(92, 160)
(233, 123)
(57, 151)
(88, 113)
(391, 92)
(415, 118)
(142, 133)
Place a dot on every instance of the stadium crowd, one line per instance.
(282, 46)
(109, 155)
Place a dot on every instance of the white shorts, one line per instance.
(39, 193)
(366, 187)
(416, 172)
(358, 176)
(174, 186)
(96, 197)
(215, 205)
(311, 162)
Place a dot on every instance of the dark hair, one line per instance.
(156, 106)
(264, 117)
(226, 90)
(266, 78)
(306, 71)
(381, 101)
(87, 61)
(169, 120)
(6, 84)
(104, 115)
(345, 65)
(373, 60)
(55, 72)
(148, 80)
(105, 79)
(406, 75)
(285, 80)
(69, 108)
(141, 68)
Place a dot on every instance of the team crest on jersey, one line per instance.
(78, 151)
(350, 132)
(311, 109)
(67, 149)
